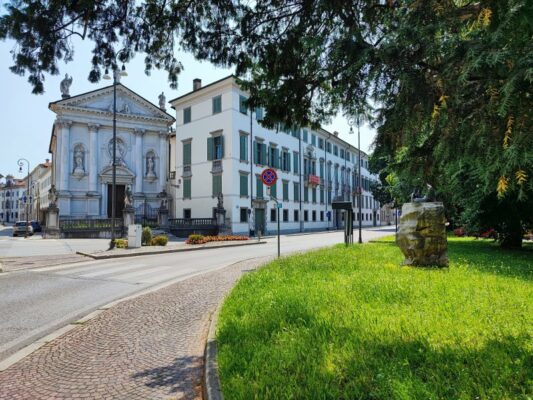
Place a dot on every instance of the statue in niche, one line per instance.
(64, 86)
(150, 166)
(125, 108)
(162, 101)
(79, 158)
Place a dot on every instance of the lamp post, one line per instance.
(357, 121)
(20, 163)
(116, 75)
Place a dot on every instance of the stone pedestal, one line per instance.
(422, 234)
(51, 230)
(129, 216)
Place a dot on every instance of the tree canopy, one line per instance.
(447, 83)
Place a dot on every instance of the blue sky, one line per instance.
(27, 121)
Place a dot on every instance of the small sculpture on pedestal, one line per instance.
(52, 196)
(162, 101)
(64, 86)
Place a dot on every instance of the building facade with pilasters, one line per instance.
(221, 147)
(82, 152)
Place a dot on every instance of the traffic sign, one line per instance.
(269, 177)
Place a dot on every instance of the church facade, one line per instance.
(81, 145)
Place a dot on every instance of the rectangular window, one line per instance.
(259, 187)
(260, 153)
(306, 216)
(187, 153)
(273, 213)
(217, 185)
(313, 139)
(321, 171)
(296, 216)
(285, 215)
(285, 160)
(335, 150)
(274, 157)
(243, 108)
(306, 194)
(244, 214)
(217, 104)
(322, 196)
(285, 191)
(313, 216)
(295, 132)
(321, 143)
(296, 192)
(187, 188)
(313, 195)
(342, 153)
(322, 216)
(187, 213)
(259, 114)
(296, 162)
(305, 138)
(215, 148)
(243, 184)
(187, 115)
(243, 148)
(328, 147)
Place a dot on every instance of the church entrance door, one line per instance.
(119, 203)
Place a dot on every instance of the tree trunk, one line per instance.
(510, 236)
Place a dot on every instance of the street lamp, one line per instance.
(20, 163)
(116, 79)
(357, 121)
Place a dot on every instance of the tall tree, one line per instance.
(451, 80)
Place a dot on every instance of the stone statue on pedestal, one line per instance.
(162, 101)
(64, 86)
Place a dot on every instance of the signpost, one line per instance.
(348, 219)
(269, 178)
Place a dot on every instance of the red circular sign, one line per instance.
(269, 177)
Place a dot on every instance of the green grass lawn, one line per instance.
(349, 323)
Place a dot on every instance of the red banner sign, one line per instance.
(314, 180)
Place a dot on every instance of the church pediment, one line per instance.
(100, 101)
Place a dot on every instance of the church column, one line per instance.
(64, 127)
(93, 157)
(139, 162)
(162, 159)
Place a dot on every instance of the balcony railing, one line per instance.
(216, 167)
(187, 171)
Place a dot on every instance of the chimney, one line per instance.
(336, 133)
(196, 84)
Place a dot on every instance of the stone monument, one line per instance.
(52, 231)
(128, 212)
(422, 234)
(162, 213)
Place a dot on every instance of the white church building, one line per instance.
(81, 146)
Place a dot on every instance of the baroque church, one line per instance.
(81, 144)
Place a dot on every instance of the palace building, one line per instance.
(220, 147)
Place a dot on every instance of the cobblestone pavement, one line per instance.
(150, 347)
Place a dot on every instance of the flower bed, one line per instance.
(201, 239)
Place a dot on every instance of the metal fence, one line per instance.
(90, 228)
(183, 227)
(146, 215)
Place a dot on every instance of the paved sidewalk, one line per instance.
(150, 347)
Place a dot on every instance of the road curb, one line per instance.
(148, 253)
(211, 387)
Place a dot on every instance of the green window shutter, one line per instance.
(210, 148)
(285, 191)
(259, 114)
(243, 148)
(255, 152)
(217, 104)
(321, 195)
(222, 144)
(187, 154)
(306, 194)
(296, 192)
(314, 195)
(244, 185)
(288, 162)
(263, 154)
(186, 188)
(274, 190)
(276, 158)
(259, 187)
(242, 105)
(217, 184)
(295, 159)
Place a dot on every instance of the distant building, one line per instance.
(221, 148)
(11, 199)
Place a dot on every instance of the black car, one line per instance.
(36, 225)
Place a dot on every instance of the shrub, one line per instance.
(195, 239)
(121, 243)
(146, 237)
(160, 240)
(459, 232)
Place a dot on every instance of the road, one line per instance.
(38, 301)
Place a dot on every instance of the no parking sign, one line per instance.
(269, 177)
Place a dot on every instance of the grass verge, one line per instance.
(349, 323)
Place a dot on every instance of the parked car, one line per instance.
(20, 228)
(36, 225)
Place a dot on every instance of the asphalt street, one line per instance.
(35, 302)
